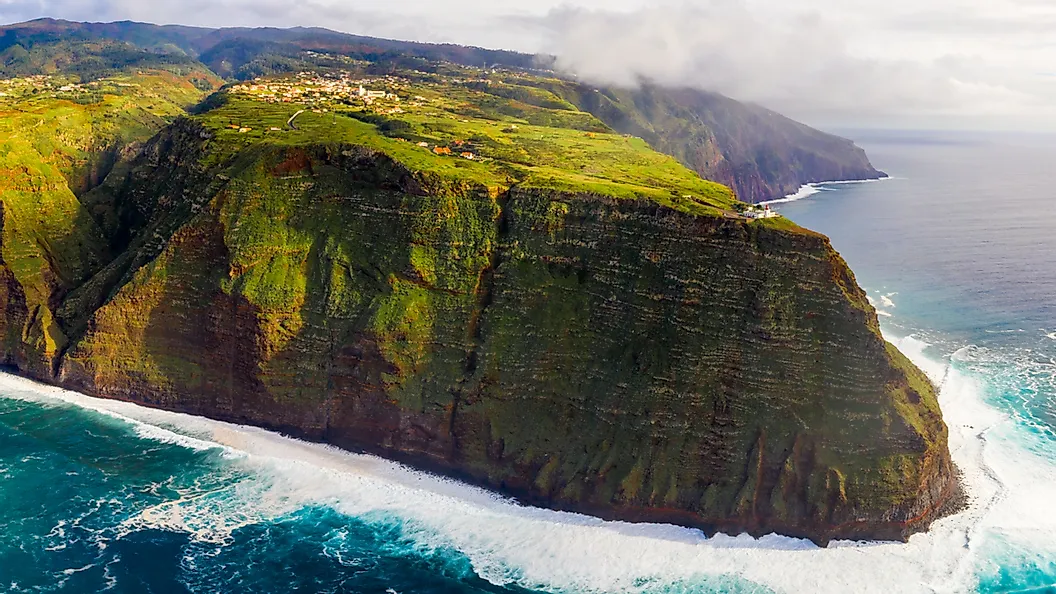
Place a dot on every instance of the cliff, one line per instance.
(52, 151)
(759, 153)
(641, 359)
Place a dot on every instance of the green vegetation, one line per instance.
(87, 60)
(61, 46)
(761, 154)
(507, 150)
(57, 144)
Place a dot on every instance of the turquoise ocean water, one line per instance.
(957, 251)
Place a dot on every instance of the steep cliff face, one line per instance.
(582, 352)
(51, 151)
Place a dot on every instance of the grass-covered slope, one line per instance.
(55, 144)
(507, 149)
(761, 154)
(563, 314)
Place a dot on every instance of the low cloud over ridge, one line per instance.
(974, 62)
(800, 63)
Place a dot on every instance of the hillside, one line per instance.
(58, 140)
(758, 153)
(761, 154)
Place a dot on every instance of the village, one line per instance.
(60, 86)
(304, 92)
(16, 87)
(315, 90)
(386, 96)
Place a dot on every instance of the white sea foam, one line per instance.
(146, 422)
(805, 191)
(1011, 493)
(808, 190)
(66, 573)
(72, 571)
(884, 301)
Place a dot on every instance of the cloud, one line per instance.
(846, 61)
(799, 63)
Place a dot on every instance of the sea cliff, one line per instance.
(624, 358)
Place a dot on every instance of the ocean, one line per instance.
(958, 253)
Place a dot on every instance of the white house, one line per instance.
(763, 213)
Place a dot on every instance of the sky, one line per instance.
(961, 64)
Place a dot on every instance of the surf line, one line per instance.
(808, 190)
(478, 524)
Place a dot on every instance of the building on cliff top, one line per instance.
(761, 213)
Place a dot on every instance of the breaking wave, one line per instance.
(881, 301)
(808, 190)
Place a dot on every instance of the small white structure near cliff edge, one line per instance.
(761, 213)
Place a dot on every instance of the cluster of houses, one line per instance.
(761, 213)
(16, 87)
(311, 89)
(465, 81)
(19, 86)
(448, 151)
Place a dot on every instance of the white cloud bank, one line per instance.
(800, 63)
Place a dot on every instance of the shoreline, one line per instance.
(358, 483)
(808, 190)
(156, 422)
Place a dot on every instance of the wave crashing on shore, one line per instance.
(262, 478)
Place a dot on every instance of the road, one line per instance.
(289, 122)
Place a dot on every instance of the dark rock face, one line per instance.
(580, 352)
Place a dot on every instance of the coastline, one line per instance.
(359, 484)
(155, 421)
(808, 190)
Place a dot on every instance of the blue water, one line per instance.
(73, 483)
(958, 254)
(962, 241)
(962, 244)
(105, 496)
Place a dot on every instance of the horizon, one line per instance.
(943, 107)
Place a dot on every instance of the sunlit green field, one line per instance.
(572, 152)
